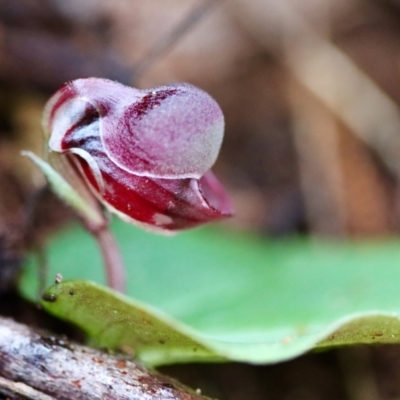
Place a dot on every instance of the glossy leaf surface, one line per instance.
(242, 298)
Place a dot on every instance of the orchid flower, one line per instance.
(145, 155)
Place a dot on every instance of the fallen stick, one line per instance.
(37, 365)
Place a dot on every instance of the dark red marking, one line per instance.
(90, 115)
(148, 102)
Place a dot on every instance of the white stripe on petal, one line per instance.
(93, 166)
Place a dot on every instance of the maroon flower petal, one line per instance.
(168, 132)
(166, 204)
(172, 132)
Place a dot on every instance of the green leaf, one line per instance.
(232, 297)
(63, 189)
(116, 322)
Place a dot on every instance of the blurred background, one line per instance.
(310, 90)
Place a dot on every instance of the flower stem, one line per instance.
(114, 265)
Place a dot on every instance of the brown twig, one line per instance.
(164, 45)
(56, 367)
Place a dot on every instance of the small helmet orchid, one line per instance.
(145, 154)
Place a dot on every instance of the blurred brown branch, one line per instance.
(201, 10)
(335, 106)
(48, 365)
